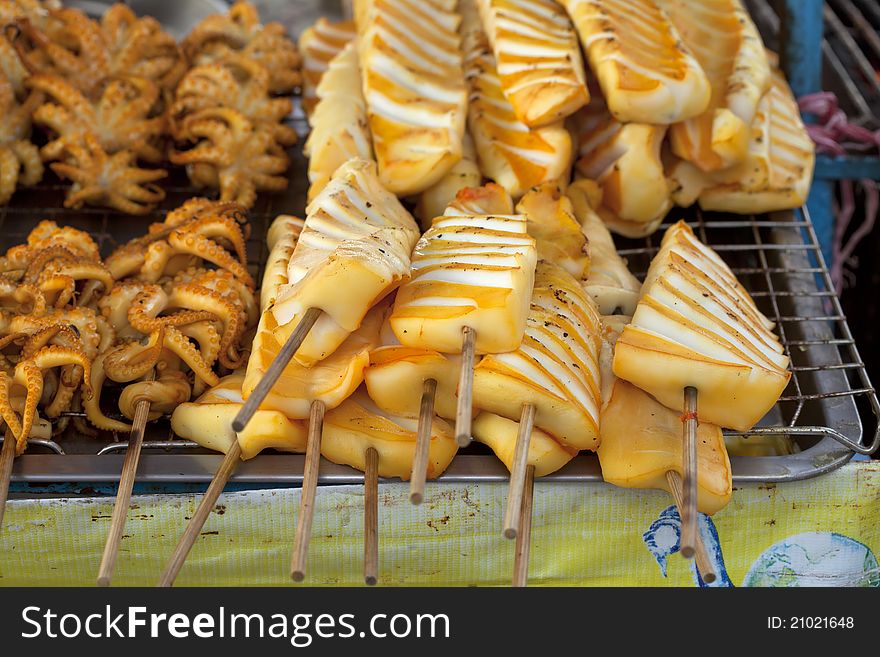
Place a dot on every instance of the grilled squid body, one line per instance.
(647, 73)
(776, 172)
(318, 45)
(500, 434)
(641, 438)
(695, 325)
(475, 271)
(330, 380)
(339, 121)
(625, 160)
(358, 424)
(510, 153)
(557, 233)
(609, 282)
(353, 251)
(727, 45)
(414, 88)
(641, 442)
(208, 421)
(556, 367)
(490, 198)
(464, 173)
(281, 239)
(538, 57)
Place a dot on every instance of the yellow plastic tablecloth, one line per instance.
(821, 531)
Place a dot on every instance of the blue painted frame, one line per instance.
(802, 30)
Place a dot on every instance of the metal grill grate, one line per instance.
(777, 258)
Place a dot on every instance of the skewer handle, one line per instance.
(512, 512)
(689, 466)
(704, 564)
(524, 536)
(201, 515)
(123, 494)
(371, 518)
(423, 443)
(307, 497)
(464, 412)
(7, 456)
(275, 369)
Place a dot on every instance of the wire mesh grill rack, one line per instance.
(775, 256)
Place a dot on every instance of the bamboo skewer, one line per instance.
(7, 457)
(275, 369)
(524, 536)
(688, 510)
(512, 512)
(704, 563)
(423, 443)
(371, 518)
(123, 493)
(465, 410)
(201, 515)
(307, 497)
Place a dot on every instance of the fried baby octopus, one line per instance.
(244, 158)
(121, 118)
(114, 181)
(220, 36)
(28, 374)
(200, 231)
(239, 83)
(19, 159)
(67, 42)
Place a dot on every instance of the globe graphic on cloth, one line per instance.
(815, 559)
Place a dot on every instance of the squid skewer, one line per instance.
(639, 438)
(194, 527)
(123, 493)
(696, 329)
(353, 251)
(524, 537)
(437, 308)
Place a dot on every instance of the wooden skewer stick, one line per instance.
(465, 410)
(188, 539)
(7, 457)
(423, 443)
(371, 518)
(688, 511)
(307, 497)
(524, 536)
(704, 563)
(123, 493)
(276, 367)
(512, 512)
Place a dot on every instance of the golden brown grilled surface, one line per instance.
(472, 270)
(624, 159)
(339, 121)
(509, 152)
(727, 45)
(695, 325)
(776, 173)
(414, 88)
(538, 57)
(318, 45)
(556, 367)
(646, 72)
